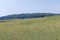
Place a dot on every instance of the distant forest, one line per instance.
(27, 15)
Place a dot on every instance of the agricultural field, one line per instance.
(47, 28)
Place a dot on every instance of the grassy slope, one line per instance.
(47, 28)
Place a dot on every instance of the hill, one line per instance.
(26, 15)
(47, 28)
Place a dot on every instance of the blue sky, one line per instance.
(8, 7)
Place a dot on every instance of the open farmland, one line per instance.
(47, 28)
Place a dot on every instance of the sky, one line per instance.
(8, 7)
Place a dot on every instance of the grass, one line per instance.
(47, 28)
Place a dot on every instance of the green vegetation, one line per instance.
(47, 28)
